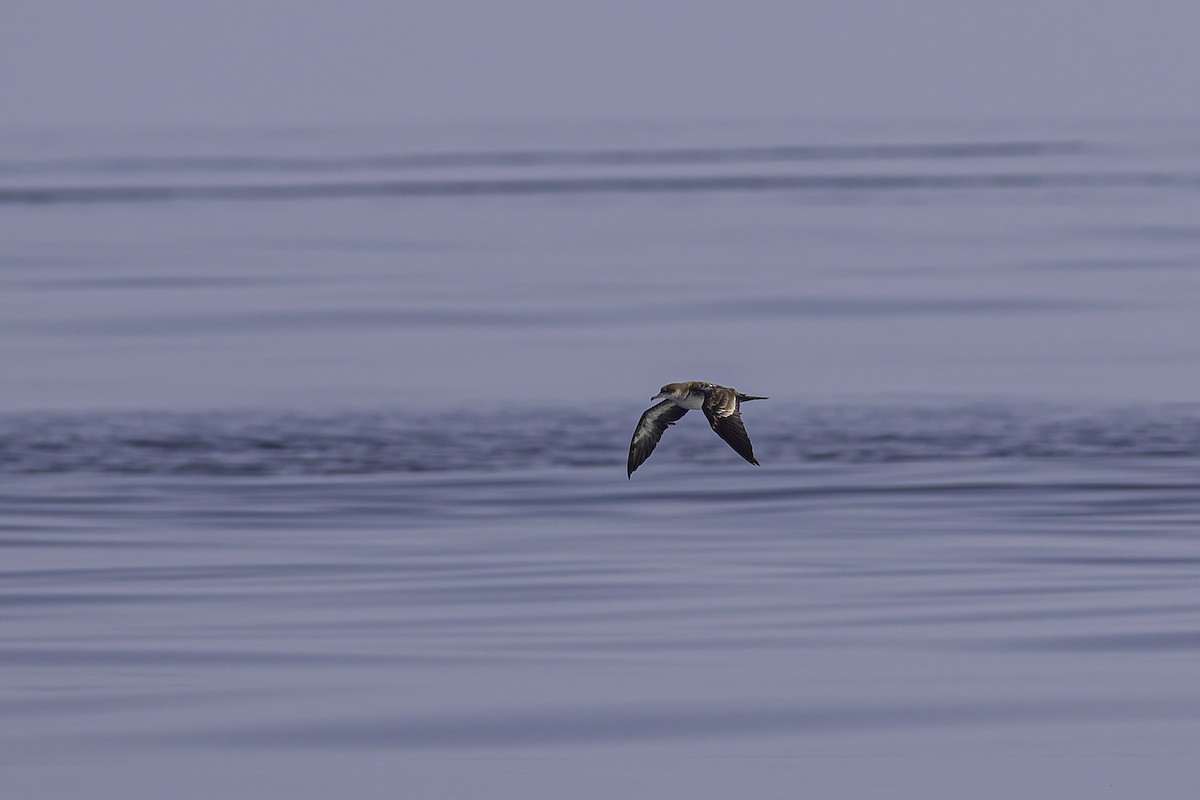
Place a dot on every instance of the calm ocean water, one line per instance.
(312, 461)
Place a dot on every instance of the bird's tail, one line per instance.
(744, 397)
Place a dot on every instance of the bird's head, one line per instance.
(670, 390)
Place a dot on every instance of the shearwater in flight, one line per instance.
(720, 404)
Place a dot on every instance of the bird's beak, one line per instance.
(657, 396)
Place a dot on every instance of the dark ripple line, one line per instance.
(373, 443)
(36, 195)
(546, 157)
(648, 723)
(77, 657)
(1139, 642)
(732, 309)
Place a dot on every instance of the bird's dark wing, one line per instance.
(723, 411)
(649, 430)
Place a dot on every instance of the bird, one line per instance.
(721, 405)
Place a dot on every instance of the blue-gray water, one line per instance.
(312, 462)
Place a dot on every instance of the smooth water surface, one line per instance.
(312, 463)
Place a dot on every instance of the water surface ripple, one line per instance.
(328, 491)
